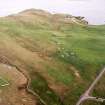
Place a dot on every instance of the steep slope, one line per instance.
(59, 54)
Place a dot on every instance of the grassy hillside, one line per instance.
(61, 56)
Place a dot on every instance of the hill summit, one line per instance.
(63, 18)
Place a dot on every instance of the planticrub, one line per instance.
(3, 82)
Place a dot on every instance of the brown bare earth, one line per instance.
(15, 93)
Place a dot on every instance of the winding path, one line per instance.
(86, 95)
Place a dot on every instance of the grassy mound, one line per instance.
(62, 57)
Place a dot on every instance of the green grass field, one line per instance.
(58, 49)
